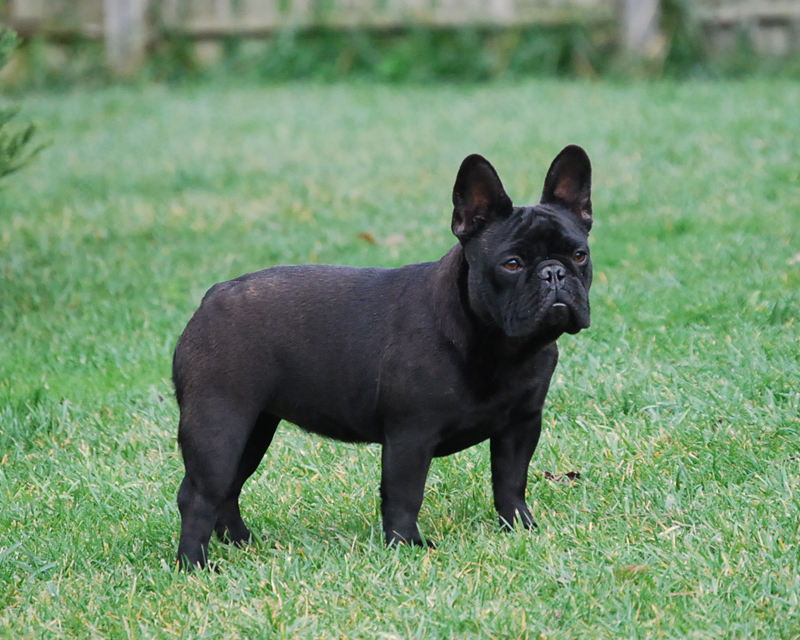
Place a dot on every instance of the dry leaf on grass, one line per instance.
(566, 478)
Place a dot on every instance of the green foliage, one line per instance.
(8, 42)
(473, 55)
(60, 65)
(684, 37)
(680, 406)
(15, 140)
(15, 151)
(415, 55)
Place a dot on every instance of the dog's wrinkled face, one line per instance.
(529, 267)
(532, 272)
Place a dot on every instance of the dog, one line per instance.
(426, 359)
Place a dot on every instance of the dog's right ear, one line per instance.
(569, 183)
(478, 196)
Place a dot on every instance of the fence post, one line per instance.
(125, 35)
(639, 21)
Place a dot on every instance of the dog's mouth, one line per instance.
(559, 314)
(554, 315)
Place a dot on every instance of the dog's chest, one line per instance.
(479, 421)
(486, 406)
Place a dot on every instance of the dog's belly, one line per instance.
(447, 440)
(461, 440)
(448, 422)
(329, 426)
(449, 413)
(340, 406)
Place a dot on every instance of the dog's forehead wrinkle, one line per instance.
(544, 224)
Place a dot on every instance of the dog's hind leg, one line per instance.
(230, 527)
(213, 436)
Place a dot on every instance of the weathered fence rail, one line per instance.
(219, 17)
(224, 17)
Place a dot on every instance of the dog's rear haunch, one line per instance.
(425, 360)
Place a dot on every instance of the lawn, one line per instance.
(680, 406)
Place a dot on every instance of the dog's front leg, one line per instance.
(405, 466)
(511, 453)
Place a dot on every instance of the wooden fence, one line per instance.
(254, 17)
(772, 26)
(126, 25)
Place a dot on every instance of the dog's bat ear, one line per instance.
(478, 196)
(569, 183)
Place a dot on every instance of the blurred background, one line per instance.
(90, 40)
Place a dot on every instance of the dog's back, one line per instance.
(258, 340)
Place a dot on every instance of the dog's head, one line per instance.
(529, 267)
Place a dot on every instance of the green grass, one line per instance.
(680, 407)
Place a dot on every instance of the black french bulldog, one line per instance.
(426, 360)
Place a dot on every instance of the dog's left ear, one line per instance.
(478, 196)
(569, 183)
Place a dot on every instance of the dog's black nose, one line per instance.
(553, 273)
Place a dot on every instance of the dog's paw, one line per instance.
(521, 517)
(236, 534)
(395, 539)
(239, 542)
(185, 566)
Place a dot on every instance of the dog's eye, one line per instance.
(580, 256)
(512, 265)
